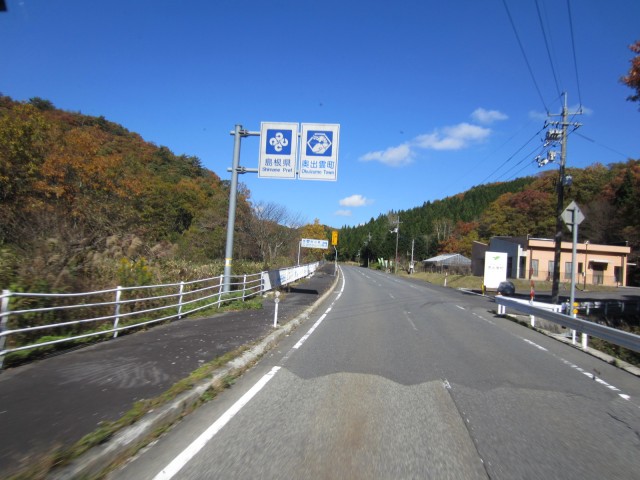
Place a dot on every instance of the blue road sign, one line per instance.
(278, 150)
(319, 154)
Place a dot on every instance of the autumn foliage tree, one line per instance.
(315, 231)
(632, 79)
(78, 193)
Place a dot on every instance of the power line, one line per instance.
(515, 175)
(546, 43)
(604, 146)
(504, 2)
(573, 48)
(511, 157)
(526, 157)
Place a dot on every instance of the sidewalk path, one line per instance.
(56, 401)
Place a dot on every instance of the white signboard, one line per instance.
(278, 150)
(495, 269)
(314, 243)
(319, 151)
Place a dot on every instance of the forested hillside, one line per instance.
(83, 197)
(609, 196)
(86, 204)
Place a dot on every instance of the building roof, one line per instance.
(449, 259)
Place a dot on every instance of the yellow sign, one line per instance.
(334, 238)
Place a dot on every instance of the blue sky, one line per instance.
(432, 98)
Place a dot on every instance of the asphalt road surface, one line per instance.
(401, 379)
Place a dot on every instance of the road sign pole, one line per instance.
(574, 254)
(572, 216)
(231, 219)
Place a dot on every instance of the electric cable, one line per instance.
(546, 43)
(573, 48)
(604, 146)
(511, 157)
(526, 157)
(515, 31)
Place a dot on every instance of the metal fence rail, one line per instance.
(611, 335)
(31, 320)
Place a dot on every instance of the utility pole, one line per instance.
(563, 180)
(395, 266)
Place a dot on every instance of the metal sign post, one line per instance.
(278, 158)
(236, 169)
(573, 217)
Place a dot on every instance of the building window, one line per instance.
(534, 269)
(568, 270)
(550, 272)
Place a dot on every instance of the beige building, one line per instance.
(533, 258)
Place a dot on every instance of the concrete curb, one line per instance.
(130, 439)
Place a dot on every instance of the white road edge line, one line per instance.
(566, 362)
(188, 453)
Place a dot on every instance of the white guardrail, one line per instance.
(552, 313)
(61, 317)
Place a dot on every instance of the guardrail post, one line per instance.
(244, 286)
(220, 289)
(4, 320)
(117, 312)
(585, 341)
(275, 313)
(180, 300)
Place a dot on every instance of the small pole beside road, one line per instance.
(573, 217)
(275, 314)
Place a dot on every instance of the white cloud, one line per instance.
(580, 108)
(343, 213)
(487, 117)
(455, 137)
(355, 201)
(539, 116)
(392, 156)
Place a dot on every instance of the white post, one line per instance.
(585, 341)
(4, 320)
(533, 320)
(275, 315)
(180, 300)
(117, 312)
(573, 337)
(244, 286)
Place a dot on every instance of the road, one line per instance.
(401, 379)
